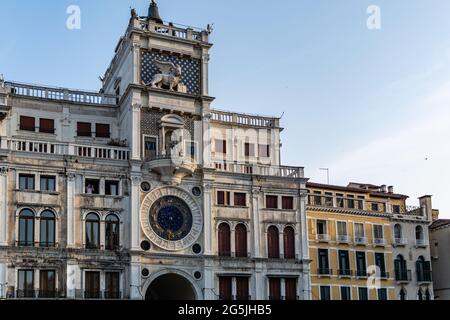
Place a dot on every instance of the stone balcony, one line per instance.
(259, 170)
(242, 119)
(172, 169)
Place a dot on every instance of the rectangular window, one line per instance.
(150, 150)
(25, 283)
(223, 198)
(48, 183)
(249, 149)
(92, 186)
(272, 202)
(328, 199)
(47, 284)
(46, 125)
(361, 268)
(324, 267)
(359, 230)
(325, 293)
(351, 201)
(112, 188)
(84, 129)
(321, 227)
(242, 288)
(112, 285)
(378, 232)
(396, 209)
(340, 200)
(346, 293)
(382, 294)
(344, 263)
(92, 285)
(240, 199)
(225, 288)
(287, 203)
(264, 150)
(102, 130)
(274, 289)
(27, 123)
(26, 182)
(317, 198)
(375, 207)
(221, 146)
(380, 263)
(363, 294)
(360, 203)
(342, 230)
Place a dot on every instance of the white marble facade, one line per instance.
(161, 146)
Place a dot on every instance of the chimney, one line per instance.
(383, 188)
(427, 207)
(391, 189)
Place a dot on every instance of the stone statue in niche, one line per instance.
(170, 77)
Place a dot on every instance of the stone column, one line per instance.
(3, 206)
(3, 280)
(256, 224)
(205, 80)
(206, 141)
(135, 283)
(209, 230)
(134, 203)
(259, 283)
(74, 279)
(71, 185)
(302, 222)
(136, 131)
(209, 292)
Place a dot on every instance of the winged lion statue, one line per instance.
(170, 76)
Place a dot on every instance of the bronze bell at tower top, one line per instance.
(153, 13)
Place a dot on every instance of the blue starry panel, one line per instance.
(190, 75)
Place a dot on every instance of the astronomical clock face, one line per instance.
(171, 218)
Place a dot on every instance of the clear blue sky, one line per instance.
(370, 105)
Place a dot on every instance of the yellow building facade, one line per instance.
(350, 241)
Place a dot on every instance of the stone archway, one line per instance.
(170, 287)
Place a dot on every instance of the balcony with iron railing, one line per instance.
(342, 239)
(360, 240)
(424, 276)
(345, 273)
(35, 294)
(324, 272)
(403, 276)
(379, 242)
(323, 237)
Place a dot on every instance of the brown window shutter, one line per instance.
(241, 241)
(221, 198)
(288, 203)
(84, 129)
(102, 130)
(224, 241)
(275, 288)
(242, 288)
(271, 202)
(27, 123)
(273, 244)
(240, 199)
(47, 125)
(289, 243)
(225, 288)
(291, 288)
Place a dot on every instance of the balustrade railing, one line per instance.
(244, 119)
(57, 148)
(255, 169)
(52, 93)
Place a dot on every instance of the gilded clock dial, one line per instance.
(171, 218)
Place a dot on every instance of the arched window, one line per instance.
(289, 243)
(402, 294)
(224, 240)
(92, 231)
(398, 232)
(241, 241)
(26, 228)
(112, 232)
(47, 229)
(423, 269)
(419, 233)
(401, 272)
(273, 244)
